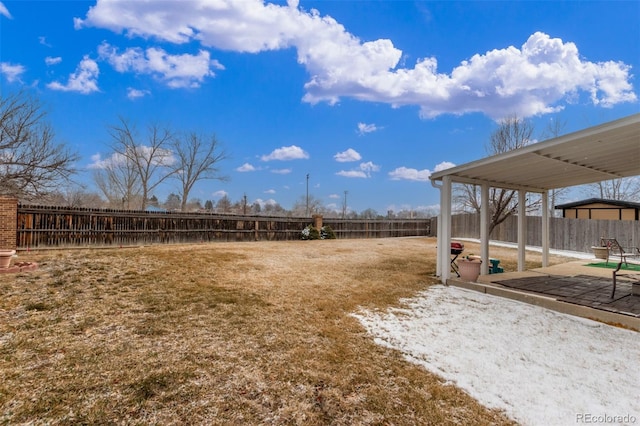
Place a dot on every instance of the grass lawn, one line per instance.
(223, 333)
(613, 264)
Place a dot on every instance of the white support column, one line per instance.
(438, 236)
(545, 229)
(444, 239)
(484, 228)
(522, 229)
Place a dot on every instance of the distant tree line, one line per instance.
(78, 197)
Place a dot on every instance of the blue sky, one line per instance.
(368, 97)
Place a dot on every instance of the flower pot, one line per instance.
(5, 258)
(600, 252)
(469, 269)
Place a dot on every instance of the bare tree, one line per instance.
(274, 209)
(32, 163)
(512, 133)
(151, 161)
(75, 195)
(369, 214)
(173, 202)
(197, 159)
(627, 189)
(118, 180)
(315, 206)
(223, 205)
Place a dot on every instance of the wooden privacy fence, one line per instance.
(365, 228)
(564, 234)
(46, 226)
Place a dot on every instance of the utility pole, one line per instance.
(344, 205)
(307, 194)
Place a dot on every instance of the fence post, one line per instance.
(8, 223)
(317, 221)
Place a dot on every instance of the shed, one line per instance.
(599, 208)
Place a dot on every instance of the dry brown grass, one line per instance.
(227, 333)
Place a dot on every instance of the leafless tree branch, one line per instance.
(32, 163)
(152, 161)
(197, 159)
(512, 133)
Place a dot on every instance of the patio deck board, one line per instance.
(585, 290)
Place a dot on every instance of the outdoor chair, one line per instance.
(617, 251)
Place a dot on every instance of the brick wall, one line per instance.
(8, 222)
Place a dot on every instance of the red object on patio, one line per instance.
(456, 249)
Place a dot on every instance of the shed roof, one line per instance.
(616, 203)
(604, 152)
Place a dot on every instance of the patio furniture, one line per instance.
(495, 266)
(616, 273)
(456, 249)
(616, 250)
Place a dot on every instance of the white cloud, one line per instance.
(97, 162)
(50, 60)
(369, 167)
(364, 128)
(352, 174)
(533, 79)
(281, 171)
(347, 156)
(270, 191)
(176, 71)
(334, 196)
(246, 167)
(11, 72)
(43, 41)
(264, 203)
(219, 194)
(333, 207)
(286, 153)
(406, 173)
(4, 11)
(135, 93)
(84, 80)
(247, 26)
(363, 171)
(163, 157)
(528, 81)
(444, 166)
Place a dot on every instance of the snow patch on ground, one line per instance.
(542, 367)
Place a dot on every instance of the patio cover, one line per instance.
(604, 152)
